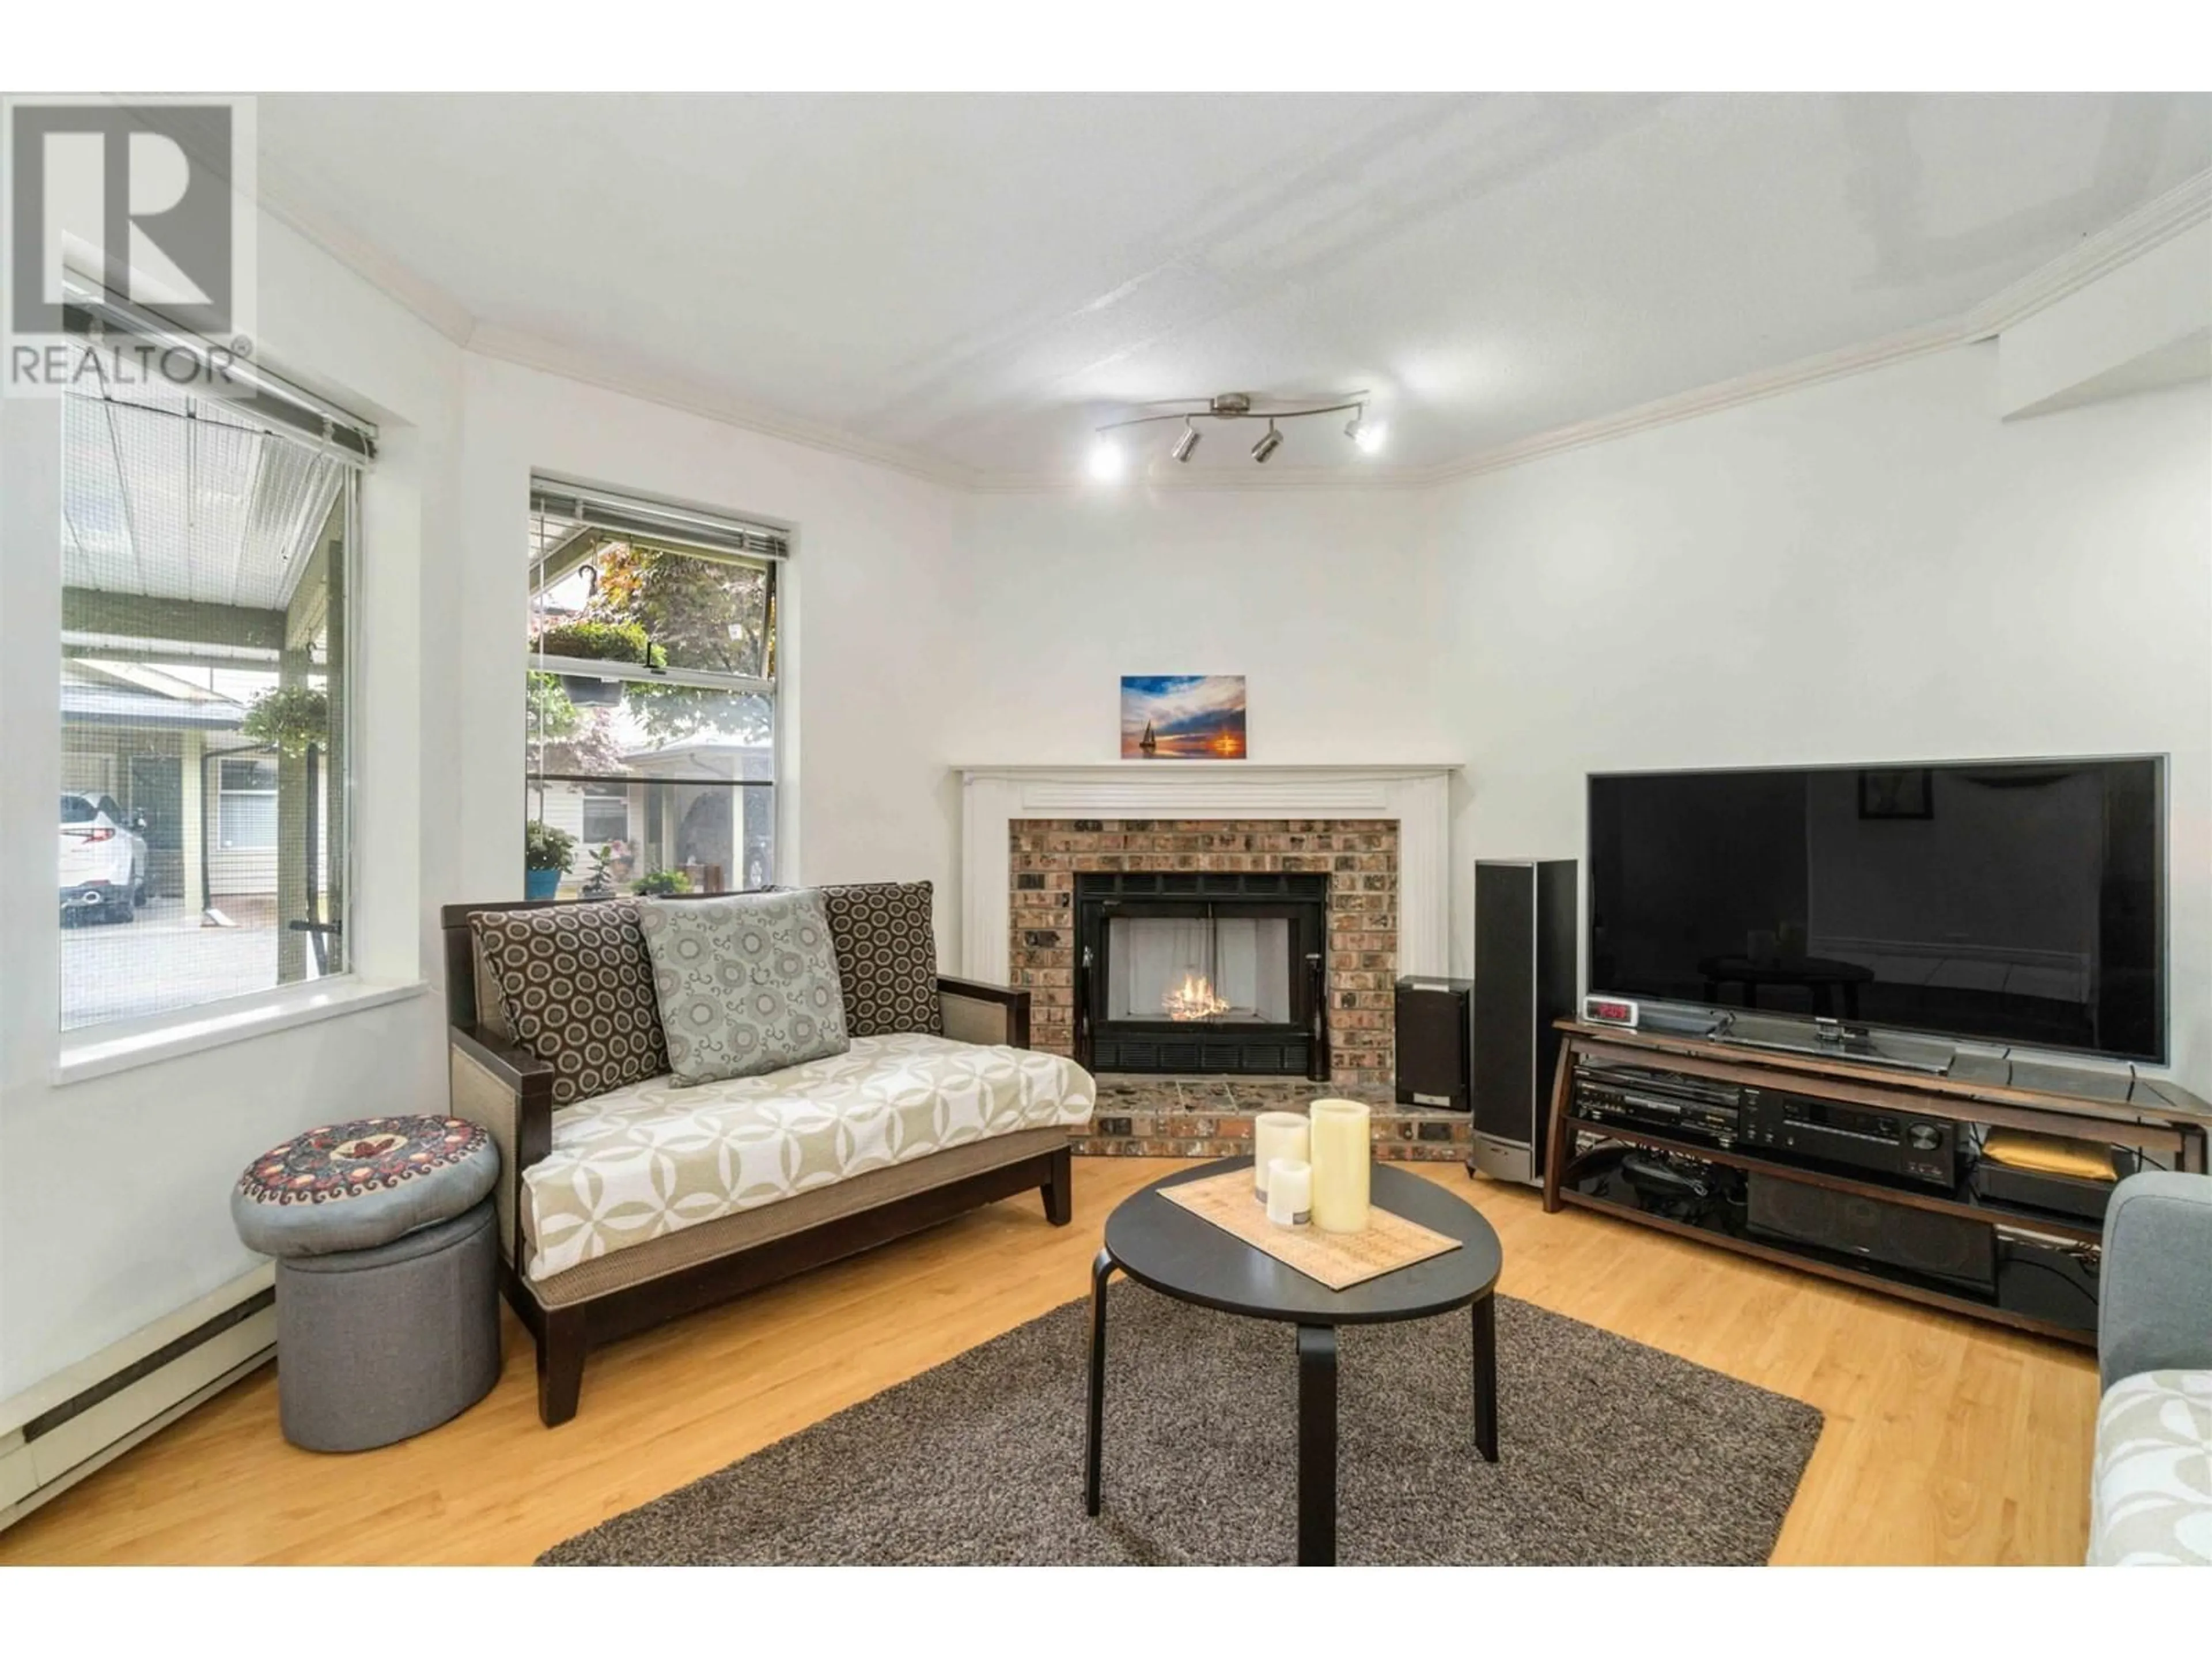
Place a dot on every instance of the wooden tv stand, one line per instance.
(2149, 1115)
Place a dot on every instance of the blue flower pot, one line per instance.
(540, 883)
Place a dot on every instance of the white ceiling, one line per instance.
(977, 281)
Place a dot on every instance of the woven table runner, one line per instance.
(1337, 1260)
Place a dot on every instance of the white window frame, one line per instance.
(710, 534)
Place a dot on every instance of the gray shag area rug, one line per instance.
(1611, 1453)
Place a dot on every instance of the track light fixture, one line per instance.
(1107, 460)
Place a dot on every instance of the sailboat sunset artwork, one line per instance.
(1182, 717)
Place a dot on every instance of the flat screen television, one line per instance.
(2012, 902)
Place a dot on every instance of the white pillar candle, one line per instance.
(1290, 1192)
(1277, 1134)
(1342, 1155)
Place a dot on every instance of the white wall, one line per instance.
(1873, 569)
(115, 1192)
(1317, 597)
(868, 600)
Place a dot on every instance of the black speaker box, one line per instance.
(1524, 981)
(1431, 1022)
(1954, 1248)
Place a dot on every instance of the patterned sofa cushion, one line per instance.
(2151, 1494)
(651, 1159)
(886, 939)
(746, 983)
(575, 987)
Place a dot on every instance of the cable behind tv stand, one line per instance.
(1852, 1172)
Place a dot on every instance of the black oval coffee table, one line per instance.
(1162, 1245)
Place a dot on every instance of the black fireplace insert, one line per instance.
(1185, 971)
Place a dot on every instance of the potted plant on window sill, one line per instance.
(596, 641)
(547, 853)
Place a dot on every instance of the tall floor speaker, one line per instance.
(1524, 979)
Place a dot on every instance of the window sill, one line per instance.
(88, 1055)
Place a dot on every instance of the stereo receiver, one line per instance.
(1921, 1149)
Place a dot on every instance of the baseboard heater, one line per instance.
(53, 1436)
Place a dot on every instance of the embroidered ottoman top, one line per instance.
(353, 1186)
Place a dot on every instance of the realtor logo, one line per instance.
(146, 205)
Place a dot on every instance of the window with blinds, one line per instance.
(651, 715)
(208, 554)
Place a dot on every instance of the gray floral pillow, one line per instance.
(746, 984)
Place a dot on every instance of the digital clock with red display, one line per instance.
(1608, 1011)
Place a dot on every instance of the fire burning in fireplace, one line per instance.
(1194, 999)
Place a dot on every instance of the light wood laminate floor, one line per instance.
(1946, 1441)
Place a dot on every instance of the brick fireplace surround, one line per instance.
(1358, 856)
(1381, 832)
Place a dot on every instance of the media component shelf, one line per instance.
(1858, 1173)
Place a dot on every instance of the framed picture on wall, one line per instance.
(1902, 792)
(1182, 717)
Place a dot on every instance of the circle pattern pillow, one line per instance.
(746, 983)
(576, 987)
(353, 1186)
(886, 942)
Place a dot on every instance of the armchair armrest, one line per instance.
(977, 1013)
(2154, 1305)
(509, 1091)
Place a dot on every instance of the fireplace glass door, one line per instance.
(1226, 969)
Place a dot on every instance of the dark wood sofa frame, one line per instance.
(564, 1336)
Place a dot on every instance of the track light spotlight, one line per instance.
(1367, 436)
(1270, 441)
(1186, 443)
(1105, 460)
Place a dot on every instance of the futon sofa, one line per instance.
(623, 1206)
(2151, 1491)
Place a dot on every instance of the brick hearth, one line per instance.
(1212, 1117)
(1358, 856)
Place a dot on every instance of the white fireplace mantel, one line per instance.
(1418, 796)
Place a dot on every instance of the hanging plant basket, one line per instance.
(291, 720)
(598, 641)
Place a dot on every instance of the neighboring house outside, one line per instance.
(170, 749)
(661, 819)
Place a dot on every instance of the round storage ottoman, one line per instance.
(387, 1275)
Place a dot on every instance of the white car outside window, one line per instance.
(103, 860)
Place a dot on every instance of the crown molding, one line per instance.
(280, 195)
(529, 351)
(2160, 219)
(1704, 400)
(2181, 208)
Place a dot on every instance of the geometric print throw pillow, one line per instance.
(576, 986)
(886, 942)
(746, 983)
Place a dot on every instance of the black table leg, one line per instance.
(1101, 1271)
(1316, 1445)
(1486, 1378)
